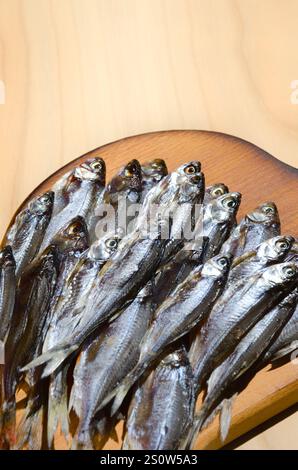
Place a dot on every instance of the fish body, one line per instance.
(87, 188)
(118, 282)
(216, 221)
(286, 341)
(107, 359)
(226, 326)
(189, 304)
(112, 212)
(7, 290)
(243, 357)
(152, 173)
(256, 227)
(162, 407)
(26, 234)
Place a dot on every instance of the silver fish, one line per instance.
(87, 189)
(161, 411)
(216, 221)
(7, 290)
(152, 173)
(106, 360)
(257, 226)
(244, 356)
(28, 230)
(225, 327)
(189, 304)
(118, 282)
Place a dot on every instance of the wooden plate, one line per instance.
(259, 177)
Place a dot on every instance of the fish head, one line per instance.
(191, 182)
(215, 191)
(265, 213)
(73, 236)
(293, 253)
(104, 248)
(43, 204)
(275, 248)
(281, 274)
(154, 170)
(128, 180)
(93, 169)
(225, 207)
(218, 266)
(7, 258)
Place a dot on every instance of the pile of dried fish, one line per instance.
(125, 300)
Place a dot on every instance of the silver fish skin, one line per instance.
(269, 252)
(228, 325)
(78, 284)
(175, 271)
(106, 360)
(189, 304)
(123, 191)
(121, 278)
(215, 191)
(162, 408)
(26, 234)
(65, 187)
(152, 173)
(26, 332)
(7, 290)
(287, 340)
(185, 185)
(244, 356)
(88, 186)
(256, 227)
(216, 221)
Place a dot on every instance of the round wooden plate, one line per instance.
(259, 177)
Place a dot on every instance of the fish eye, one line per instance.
(289, 271)
(111, 243)
(74, 229)
(223, 261)
(96, 165)
(230, 202)
(283, 245)
(130, 171)
(268, 210)
(218, 192)
(190, 170)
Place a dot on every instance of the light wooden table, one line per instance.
(80, 73)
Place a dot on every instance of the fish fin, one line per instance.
(284, 351)
(29, 431)
(83, 440)
(57, 407)
(216, 374)
(8, 424)
(122, 390)
(53, 359)
(196, 427)
(226, 416)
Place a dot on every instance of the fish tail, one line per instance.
(197, 425)
(29, 431)
(122, 390)
(57, 406)
(52, 359)
(286, 350)
(83, 440)
(225, 416)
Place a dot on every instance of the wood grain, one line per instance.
(259, 177)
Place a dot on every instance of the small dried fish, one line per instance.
(161, 411)
(7, 290)
(28, 230)
(216, 221)
(256, 227)
(86, 188)
(189, 304)
(244, 356)
(240, 313)
(106, 360)
(215, 191)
